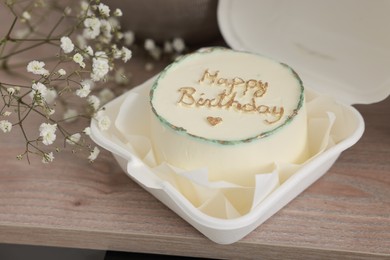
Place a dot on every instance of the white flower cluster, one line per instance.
(47, 133)
(175, 48)
(101, 28)
(5, 126)
(37, 67)
(87, 54)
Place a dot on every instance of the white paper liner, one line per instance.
(328, 124)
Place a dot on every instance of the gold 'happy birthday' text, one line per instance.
(229, 96)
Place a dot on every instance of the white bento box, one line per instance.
(339, 48)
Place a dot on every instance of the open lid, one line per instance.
(341, 48)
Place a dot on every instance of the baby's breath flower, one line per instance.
(149, 44)
(50, 96)
(66, 44)
(126, 54)
(105, 27)
(62, 72)
(73, 139)
(118, 35)
(70, 115)
(78, 58)
(114, 22)
(155, 53)
(118, 12)
(178, 44)
(119, 77)
(106, 95)
(89, 51)
(94, 154)
(104, 10)
(116, 53)
(84, 89)
(168, 48)
(87, 131)
(39, 92)
(149, 66)
(91, 43)
(48, 157)
(92, 28)
(128, 38)
(47, 132)
(84, 5)
(5, 126)
(49, 111)
(94, 102)
(26, 15)
(22, 33)
(100, 66)
(81, 41)
(104, 123)
(11, 91)
(67, 10)
(37, 67)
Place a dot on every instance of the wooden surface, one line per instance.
(71, 203)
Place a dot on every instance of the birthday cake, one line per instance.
(233, 113)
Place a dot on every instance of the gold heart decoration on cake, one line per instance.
(214, 120)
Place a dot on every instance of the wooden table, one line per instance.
(72, 203)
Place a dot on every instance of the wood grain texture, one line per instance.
(72, 203)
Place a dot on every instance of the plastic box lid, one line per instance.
(339, 48)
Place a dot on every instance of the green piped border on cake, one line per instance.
(183, 131)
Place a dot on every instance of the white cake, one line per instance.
(234, 113)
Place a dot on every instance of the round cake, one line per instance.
(234, 113)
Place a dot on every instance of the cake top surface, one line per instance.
(226, 96)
